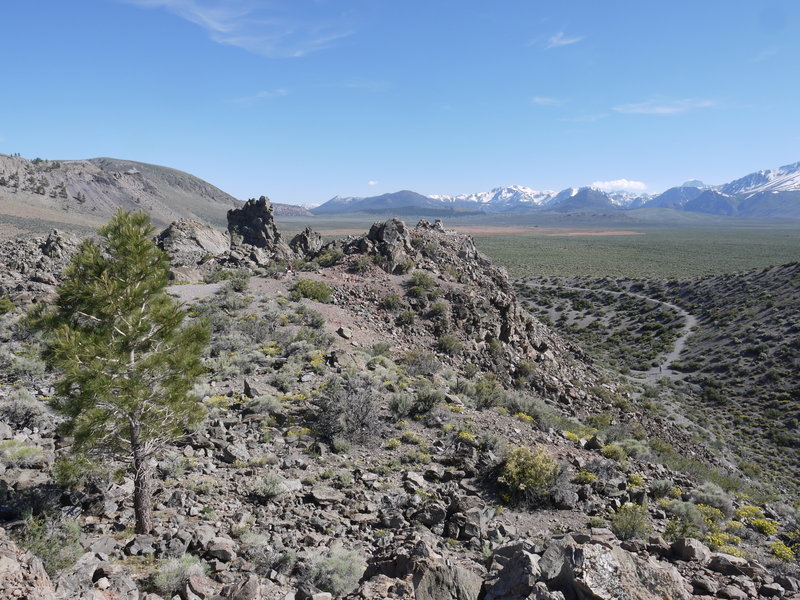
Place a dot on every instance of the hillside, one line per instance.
(737, 374)
(388, 422)
(745, 357)
(88, 192)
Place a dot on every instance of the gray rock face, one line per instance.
(307, 243)
(790, 584)
(436, 581)
(727, 564)
(517, 579)
(607, 573)
(254, 225)
(390, 240)
(690, 549)
(235, 452)
(190, 242)
(613, 574)
(222, 548)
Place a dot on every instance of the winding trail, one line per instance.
(663, 369)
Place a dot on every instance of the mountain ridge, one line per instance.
(771, 193)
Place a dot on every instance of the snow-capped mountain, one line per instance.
(501, 198)
(783, 179)
(773, 193)
(627, 199)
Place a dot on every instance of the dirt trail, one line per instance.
(663, 369)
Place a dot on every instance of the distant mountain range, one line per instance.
(774, 193)
(37, 195)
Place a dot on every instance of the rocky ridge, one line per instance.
(260, 493)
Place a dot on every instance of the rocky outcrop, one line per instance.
(307, 243)
(589, 571)
(191, 242)
(252, 240)
(497, 334)
(254, 225)
(391, 242)
(30, 268)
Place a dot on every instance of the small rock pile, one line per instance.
(30, 268)
(21, 573)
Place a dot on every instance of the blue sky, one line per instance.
(302, 100)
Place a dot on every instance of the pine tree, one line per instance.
(126, 360)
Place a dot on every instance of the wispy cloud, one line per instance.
(373, 182)
(764, 55)
(546, 101)
(616, 185)
(274, 31)
(561, 39)
(663, 108)
(260, 96)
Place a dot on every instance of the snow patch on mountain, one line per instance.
(783, 179)
(499, 197)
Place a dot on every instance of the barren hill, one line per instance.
(88, 192)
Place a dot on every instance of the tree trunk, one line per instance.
(142, 491)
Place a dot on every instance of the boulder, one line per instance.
(517, 578)
(727, 564)
(246, 589)
(602, 573)
(790, 584)
(235, 453)
(565, 497)
(690, 549)
(772, 590)
(702, 584)
(732, 593)
(201, 586)
(439, 581)
(432, 513)
(222, 548)
(189, 242)
(615, 574)
(324, 495)
(141, 545)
